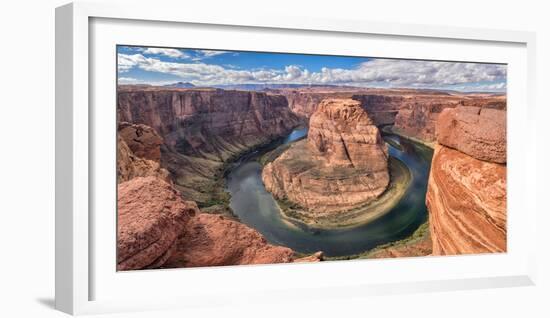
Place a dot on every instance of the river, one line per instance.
(258, 209)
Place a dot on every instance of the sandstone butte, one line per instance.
(466, 196)
(202, 129)
(157, 228)
(343, 163)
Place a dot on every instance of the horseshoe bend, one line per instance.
(216, 171)
(331, 178)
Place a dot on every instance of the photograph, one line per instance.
(228, 157)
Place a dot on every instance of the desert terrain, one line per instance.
(210, 176)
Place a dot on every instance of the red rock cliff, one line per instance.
(203, 128)
(466, 195)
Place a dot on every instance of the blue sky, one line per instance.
(160, 66)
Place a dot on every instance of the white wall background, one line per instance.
(27, 158)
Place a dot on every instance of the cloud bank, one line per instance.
(375, 72)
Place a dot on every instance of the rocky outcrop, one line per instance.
(142, 140)
(341, 132)
(466, 195)
(158, 229)
(212, 240)
(130, 166)
(202, 129)
(466, 200)
(343, 163)
(478, 132)
(151, 216)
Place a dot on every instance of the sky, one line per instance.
(161, 66)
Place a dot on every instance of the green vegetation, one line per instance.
(421, 233)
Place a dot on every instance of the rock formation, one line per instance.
(212, 240)
(419, 113)
(480, 133)
(343, 163)
(207, 122)
(204, 128)
(158, 229)
(412, 112)
(466, 195)
(130, 166)
(151, 216)
(142, 140)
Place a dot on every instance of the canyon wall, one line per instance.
(156, 227)
(204, 128)
(466, 196)
(418, 115)
(343, 163)
(412, 113)
(382, 108)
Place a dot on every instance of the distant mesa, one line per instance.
(180, 85)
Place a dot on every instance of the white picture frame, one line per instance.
(77, 164)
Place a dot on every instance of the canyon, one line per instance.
(342, 165)
(176, 146)
(412, 113)
(203, 129)
(157, 228)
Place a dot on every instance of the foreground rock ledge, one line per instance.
(342, 165)
(157, 229)
(151, 216)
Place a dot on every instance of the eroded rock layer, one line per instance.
(151, 216)
(466, 200)
(412, 112)
(158, 229)
(419, 113)
(204, 128)
(212, 240)
(478, 132)
(142, 140)
(130, 166)
(343, 163)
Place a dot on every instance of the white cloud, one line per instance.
(128, 80)
(175, 53)
(376, 72)
(210, 53)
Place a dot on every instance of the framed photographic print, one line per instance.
(246, 154)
